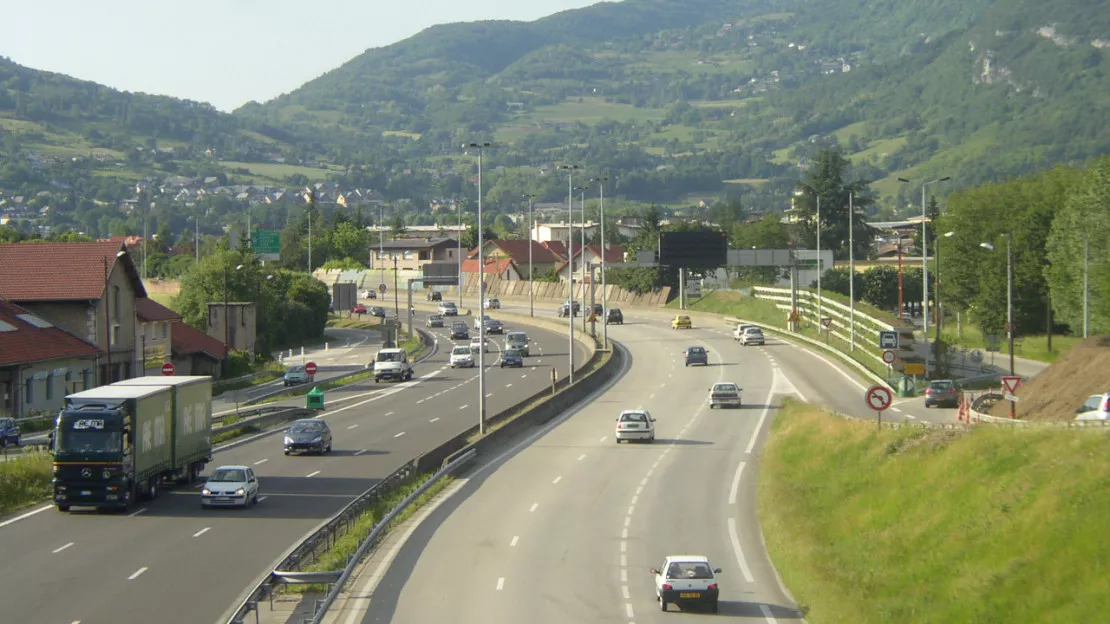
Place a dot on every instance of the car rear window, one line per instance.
(689, 571)
(696, 350)
(633, 417)
(941, 385)
(461, 351)
(724, 388)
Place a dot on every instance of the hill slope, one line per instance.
(1056, 393)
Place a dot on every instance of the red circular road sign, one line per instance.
(889, 357)
(168, 369)
(878, 398)
(310, 368)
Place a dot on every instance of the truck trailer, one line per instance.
(116, 444)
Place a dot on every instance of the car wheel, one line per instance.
(662, 605)
(286, 452)
(63, 507)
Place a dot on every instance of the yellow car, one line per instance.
(682, 322)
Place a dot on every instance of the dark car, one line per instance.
(597, 309)
(512, 358)
(696, 355)
(614, 317)
(307, 435)
(942, 392)
(435, 295)
(564, 310)
(377, 311)
(459, 331)
(494, 326)
(9, 432)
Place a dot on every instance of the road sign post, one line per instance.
(826, 322)
(889, 357)
(168, 369)
(1011, 385)
(310, 368)
(381, 288)
(879, 399)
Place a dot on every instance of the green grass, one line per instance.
(25, 480)
(879, 150)
(336, 557)
(589, 110)
(279, 171)
(993, 524)
(756, 182)
(1033, 347)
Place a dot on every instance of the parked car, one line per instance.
(461, 357)
(685, 579)
(378, 311)
(1096, 407)
(696, 355)
(9, 432)
(942, 392)
(459, 331)
(358, 309)
(635, 425)
(296, 374)
(682, 322)
(369, 294)
(752, 336)
(434, 320)
(435, 295)
(724, 394)
(307, 435)
(614, 317)
(447, 308)
(493, 303)
(230, 486)
(512, 358)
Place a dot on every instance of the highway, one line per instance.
(565, 528)
(169, 561)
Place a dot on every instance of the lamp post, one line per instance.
(310, 197)
(582, 257)
(570, 169)
(604, 250)
(481, 147)
(819, 307)
(1009, 304)
(227, 320)
(531, 276)
(925, 266)
(936, 289)
(851, 274)
(459, 207)
(381, 240)
(196, 238)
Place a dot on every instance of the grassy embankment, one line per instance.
(994, 524)
(1034, 347)
(24, 480)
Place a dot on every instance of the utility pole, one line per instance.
(819, 302)
(396, 295)
(851, 273)
(582, 258)
(604, 250)
(1010, 310)
(570, 169)
(531, 276)
(1086, 285)
(481, 147)
(925, 266)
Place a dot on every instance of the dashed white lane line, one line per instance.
(399, 434)
(202, 531)
(422, 400)
(739, 553)
(261, 461)
(137, 573)
(141, 511)
(627, 595)
(462, 407)
(389, 413)
(500, 583)
(353, 426)
(359, 452)
(581, 457)
(489, 395)
(312, 474)
(557, 479)
(516, 538)
(736, 483)
(262, 498)
(603, 438)
(895, 409)
(508, 385)
(628, 609)
(61, 548)
(533, 507)
(434, 419)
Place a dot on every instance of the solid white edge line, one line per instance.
(739, 553)
(500, 583)
(516, 538)
(61, 548)
(202, 531)
(767, 615)
(312, 474)
(736, 483)
(25, 516)
(763, 415)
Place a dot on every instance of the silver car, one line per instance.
(434, 320)
(752, 336)
(725, 394)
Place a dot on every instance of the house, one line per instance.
(40, 363)
(591, 255)
(412, 253)
(194, 352)
(504, 268)
(559, 248)
(67, 283)
(542, 258)
(155, 322)
(544, 232)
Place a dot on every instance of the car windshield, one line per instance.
(460, 351)
(634, 417)
(695, 350)
(228, 475)
(296, 369)
(436, 317)
(306, 427)
(689, 571)
(725, 387)
(754, 330)
(517, 337)
(447, 304)
(941, 385)
(390, 356)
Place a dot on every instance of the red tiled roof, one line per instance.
(150, 310)
(493, 267)
(518, 250)
(186, 340)
(60, 271)
(35, 344)
(613, 253)
(559, 248)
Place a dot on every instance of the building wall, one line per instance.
(32, 389)
(197, 365)
(240, 334)
(154, 342)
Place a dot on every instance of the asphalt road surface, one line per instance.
(565, 529)
(170, 561)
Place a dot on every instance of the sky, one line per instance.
(226, 52)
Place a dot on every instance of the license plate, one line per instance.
(223, 498)
(690, 595)
(86, 493)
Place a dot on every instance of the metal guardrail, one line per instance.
(260, 417)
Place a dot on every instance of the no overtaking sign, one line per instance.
(878, 398)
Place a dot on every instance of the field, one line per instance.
(912, 525)
(279, 171)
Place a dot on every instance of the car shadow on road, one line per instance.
(745, 609)
(681, 442)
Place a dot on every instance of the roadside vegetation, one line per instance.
(991, 524)
(25, 480)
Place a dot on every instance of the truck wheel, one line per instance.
(152, 488)
(63, 507)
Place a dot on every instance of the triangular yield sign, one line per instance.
(1011, 383)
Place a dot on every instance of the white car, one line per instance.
(1096, 407)
(724, 394)
(462, 357)
(686, 579)
(475, 342)
(478, 320)
(230, 486)
(493, 303)
(635, 425)
(752, 336)
(738, 333)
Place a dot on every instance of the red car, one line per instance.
(359, 309)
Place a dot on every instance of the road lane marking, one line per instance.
(25, 516)
(421, 401)
(624, 575)
(557, 479)
(389, 413)
(399, 434)
(628, 609)
(624, 590)
(434, 419)
(137, 573)
(464, 407)
(736, 483)
(261, 461)
(739, 553)
(624, 533)
(202, 531)
(141, 511)
(763, 415)
(61, 548)
(353, 426)
(581, 457)
(500, 583)
(312, 474)
(489, 395)
(515, 539)
(508, 385)
(359, 452)
(603, 438)
(262, 498)
(534, 506)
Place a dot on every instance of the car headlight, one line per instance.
(206, 491)
(288, 440)
(240, 491)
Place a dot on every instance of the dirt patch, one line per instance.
(1060, 389)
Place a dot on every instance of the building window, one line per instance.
(424, 255)
(165, 331)
(115, 303)
(29, 391)
(49, 386)
(407, 255)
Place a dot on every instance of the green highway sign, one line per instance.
(266, 242)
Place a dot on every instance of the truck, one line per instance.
(392, 364)
(115, 445)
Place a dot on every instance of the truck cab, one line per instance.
(392, 364)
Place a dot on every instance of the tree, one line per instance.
(398, 227)
(348, 241)
(880, 287)
(826, 179)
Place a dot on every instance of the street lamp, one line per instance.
(531, 277)
(570, 169)
(818, 228)
(851, 272)
(481, 147)
(582, 256)
(604, 250)
(1086, 284)
(925, 266)
(1009, 303)
(310, 198)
